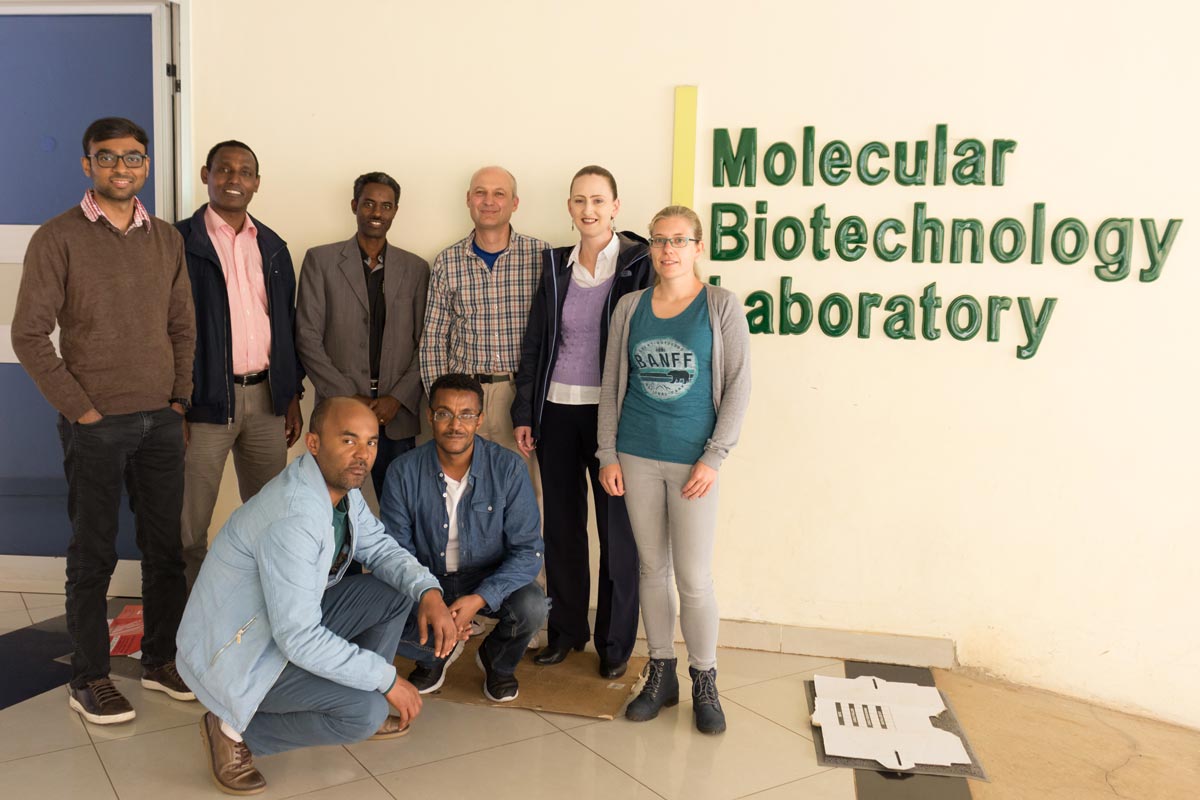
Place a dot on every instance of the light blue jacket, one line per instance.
(257, 602)
(499, 527)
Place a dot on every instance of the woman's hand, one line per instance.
(524, 436)
(612, 480)
(699, 482)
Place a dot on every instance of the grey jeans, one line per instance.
(303, 710)
(671, 530)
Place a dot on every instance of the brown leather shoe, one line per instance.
(231, 763)
(166, 679)
(390, 729)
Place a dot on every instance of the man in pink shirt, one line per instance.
(248, 379)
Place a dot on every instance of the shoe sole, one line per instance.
(96, 719)
(213, 774)
(155, 686)
(450, 659)
(486, 693)
(383, 737)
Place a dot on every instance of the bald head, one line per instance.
(492, 199)
(342, 405)
(343, 435)
(491, 176)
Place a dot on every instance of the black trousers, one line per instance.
(567, 458)
(146, 449)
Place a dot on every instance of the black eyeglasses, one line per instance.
(109, 160)
(676, 241)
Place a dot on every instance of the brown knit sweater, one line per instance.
(123, 304)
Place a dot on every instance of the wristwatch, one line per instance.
(183, 401)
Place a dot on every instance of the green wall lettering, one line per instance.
(921, 225)
(807, 147)
(995, 306)
(760, 231)
(900, 324)
(971, 169)
(779, 234)
(738, 167)
(954, 316)
(1114, 263)
(1039, 234)
(1157, 249)
(863, 167)
(996, 243)
(866, 302)
(915, 177)
(819, 224)
(1000, 148)
(845, 318)
(759, 317)
(939, 155)
(787, 299)
(1035, 326)
(930, 302)
(1058, 247)
(850, 237)
(835, 163)
(735, 230)
(880, 244)
(779, 177)
(957, 228)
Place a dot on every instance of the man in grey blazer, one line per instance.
(359, 316)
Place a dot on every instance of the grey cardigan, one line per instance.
(730, 375)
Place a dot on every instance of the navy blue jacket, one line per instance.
(543, 332)
(212, 371)
(499, 526)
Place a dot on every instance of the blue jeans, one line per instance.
(303, 710)
(519, 617)
(144, 450)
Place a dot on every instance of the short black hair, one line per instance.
(231, 143)
(375, 177)
(107, 128)
(456, 382)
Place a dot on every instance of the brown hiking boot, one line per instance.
(166, 679)
(231, 763)
(390, 729)
(100, 702)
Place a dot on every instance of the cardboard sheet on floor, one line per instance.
(572, 687)
(868, 722)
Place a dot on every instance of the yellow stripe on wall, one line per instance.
(683, 166)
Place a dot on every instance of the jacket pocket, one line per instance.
(237, 639)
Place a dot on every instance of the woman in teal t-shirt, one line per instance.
(675, 389)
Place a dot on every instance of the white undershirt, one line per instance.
(454, 493)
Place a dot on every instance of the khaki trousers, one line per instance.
(497, 427)
(259, 443)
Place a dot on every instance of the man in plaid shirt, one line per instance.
(480, 290)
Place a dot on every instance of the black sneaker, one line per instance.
(100, 702)
(166, 679)
(429, 679)
(496, 687)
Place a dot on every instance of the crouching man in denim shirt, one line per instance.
(281, 646)
(465, 508)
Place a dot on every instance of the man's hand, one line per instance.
(524, 436)
(385, 408)
(464, 610)
(612, 480)
(433, 613)
(178, 409)
(295, 421)
(699, 481)
(90, 416)
(405, 698)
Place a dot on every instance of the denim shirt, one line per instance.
(256, 604)
(499, 526)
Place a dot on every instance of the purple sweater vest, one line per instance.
(578, 362)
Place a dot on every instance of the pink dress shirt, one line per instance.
(241, 261)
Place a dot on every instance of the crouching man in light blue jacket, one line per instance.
(285, 651)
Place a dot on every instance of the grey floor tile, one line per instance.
(75, 773)
(155, 712)
(11, 601)
(14, 619)
(782, 700)
(834, 784)
(33, 601)
(41, 724)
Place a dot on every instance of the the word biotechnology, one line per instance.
(920, 237)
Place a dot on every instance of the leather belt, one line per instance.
(374, 387)
(496, 377)
(252, 379)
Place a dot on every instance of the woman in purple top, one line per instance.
(554, 413)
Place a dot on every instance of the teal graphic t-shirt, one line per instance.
(668, 411)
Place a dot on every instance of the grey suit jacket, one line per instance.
(333, 327)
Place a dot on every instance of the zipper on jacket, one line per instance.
(541, 401)
(237, 639)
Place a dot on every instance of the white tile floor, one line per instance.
(46, 752)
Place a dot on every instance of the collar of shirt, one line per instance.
(93, 212)
(606, 264)
(378, 259)
(214, 223)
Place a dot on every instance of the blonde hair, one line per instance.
(671, 212)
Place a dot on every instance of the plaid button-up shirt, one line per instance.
(476, 316)
(93, 212)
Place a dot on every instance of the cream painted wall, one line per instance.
(1041, 513)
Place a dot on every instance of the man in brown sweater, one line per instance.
(113, 279)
